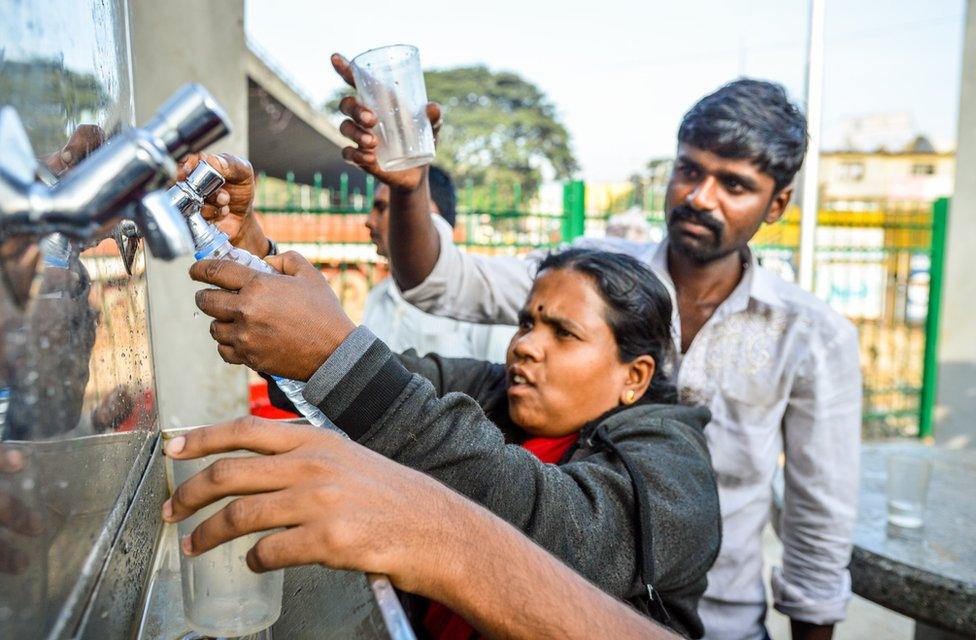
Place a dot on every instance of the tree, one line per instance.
(498, 128)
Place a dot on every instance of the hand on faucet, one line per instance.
(231, 207)
(84, 139)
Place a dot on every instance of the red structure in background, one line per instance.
(261, 405)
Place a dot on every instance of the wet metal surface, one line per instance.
(77, 405)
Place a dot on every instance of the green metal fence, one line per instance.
(878, 262)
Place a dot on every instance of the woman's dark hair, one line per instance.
(638, 309)
(750, 120)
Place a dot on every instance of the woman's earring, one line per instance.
(630, 397)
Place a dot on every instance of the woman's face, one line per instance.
(563, 366)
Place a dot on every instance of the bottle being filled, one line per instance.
(213, 244)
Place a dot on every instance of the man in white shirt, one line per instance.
(403, 326)
(777, 367)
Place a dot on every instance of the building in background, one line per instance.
(916, 173)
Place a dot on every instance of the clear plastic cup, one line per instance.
(390, 83)
(222, 597)
(908, 487)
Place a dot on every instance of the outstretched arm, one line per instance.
(348, 508)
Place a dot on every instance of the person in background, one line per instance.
(778, 367)
(403, 326)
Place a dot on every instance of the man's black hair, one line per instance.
(750, 120)
(442, 193)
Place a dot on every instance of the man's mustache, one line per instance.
(684, 213)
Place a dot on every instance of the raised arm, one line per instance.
(430, 270)
(413, 242)
(348, 508)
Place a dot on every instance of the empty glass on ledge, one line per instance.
(908, 486)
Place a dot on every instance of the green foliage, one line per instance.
(498, 128)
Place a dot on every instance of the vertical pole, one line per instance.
(940, 217)
(290, 189)
(574, 210)
(262, 190)
(344, 190)
(370, 191)
(811, 171)
(317, 190)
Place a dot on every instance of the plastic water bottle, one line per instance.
(213, 244)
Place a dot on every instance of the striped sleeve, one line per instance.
(359, 382)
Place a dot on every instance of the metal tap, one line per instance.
(121, 180)
(188, 196)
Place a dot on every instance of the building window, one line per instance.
(851, 171)
(923, 169)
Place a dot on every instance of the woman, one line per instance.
(576, 440)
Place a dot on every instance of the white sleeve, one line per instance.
(474, 288)
(822, 441)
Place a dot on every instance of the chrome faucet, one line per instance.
(121, 180)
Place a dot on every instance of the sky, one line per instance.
(622, 74)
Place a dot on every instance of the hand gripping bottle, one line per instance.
(213, 244)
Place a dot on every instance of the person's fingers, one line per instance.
(220, 305)
(434, 115)
(361, 115)
(227, 477)
(229, 354)
(220, 198)
(210, 212)
(225, 274)
(224, 333)
(16, 516)
(343, 68)
(247, 432)
(249, 514)
(365, 139)
(364, 159)
(11, 460)
(187, 166)
(289, 548)
(235, 169)
(292, 263)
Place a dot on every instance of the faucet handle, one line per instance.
(163, 227)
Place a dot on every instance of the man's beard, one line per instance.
(701, 249)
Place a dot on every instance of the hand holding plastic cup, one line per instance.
(390, 83)
(222, 597)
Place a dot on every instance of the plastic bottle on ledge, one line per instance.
(213, 244)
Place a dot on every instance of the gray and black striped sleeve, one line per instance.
(359, 382)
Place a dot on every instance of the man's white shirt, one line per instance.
(780, 372)
(403, 326)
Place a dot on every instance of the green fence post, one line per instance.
(290, 189)
(316, 190)
(574, 210)
(940, 216)
(370, 191)
(344, 190)
(262, 189)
